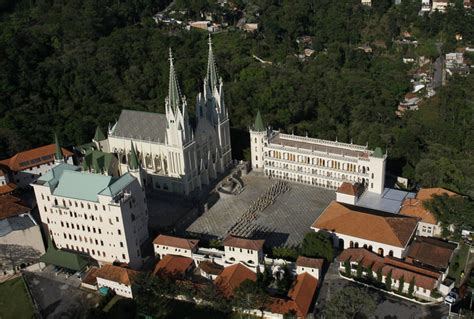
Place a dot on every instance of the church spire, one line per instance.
(58, 153)
(133, 163)
(174, 95)
(211, 75)
(258, 125)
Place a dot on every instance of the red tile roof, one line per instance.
(12, 206)
(211, 268)
(350, 189)
(33, 157)
(310, 262)
(431, 251)
(7, 188)
(367, 223)
(173, 266)
(91, 277)
(231, 278)
(117, 274)
(424, 278)
(177, 242)
(414, 206)
(252, 244)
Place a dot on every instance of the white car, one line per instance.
(451, 298)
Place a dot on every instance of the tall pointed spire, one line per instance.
(58, 153)
(211, 75)
(174, 95)
(258, 126)
(133, 163)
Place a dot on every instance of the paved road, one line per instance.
(389, 307)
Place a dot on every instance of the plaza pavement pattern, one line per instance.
(285, 222)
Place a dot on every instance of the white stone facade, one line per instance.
(182, 159)
(428, 229)
(312, 271)
(119, 288)
(109, 229)
(316, 162)
(163, 250)
(249, 257)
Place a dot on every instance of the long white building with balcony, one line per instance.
(314, 161)
(103, 217)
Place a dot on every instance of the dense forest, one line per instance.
(68, 66)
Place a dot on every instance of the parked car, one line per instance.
(452, 297)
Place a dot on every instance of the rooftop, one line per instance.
(178, 242)
(310, 262)
(34, 157)
(231, 278)
(15, 223)
(67, 181)
(252, 244)
(172, 265)
(431, 252)
(367, 223)
(350, 189)
(389, 201)
(318, 145)
(117, 274)
(414, 206)
(12, 206)
(139, 125)
(210, 267)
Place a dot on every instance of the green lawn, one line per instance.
(14, 300)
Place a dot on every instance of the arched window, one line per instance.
(390, 253)
(380, 251)
(356, 245)
(351, 244)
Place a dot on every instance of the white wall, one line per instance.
(163, 250)
(344, 198)
(118, 288)
(102, 229)
(257, 142)
(234, 255)
(312, 271)
(428, 230)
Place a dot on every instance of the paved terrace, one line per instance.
(285, 222)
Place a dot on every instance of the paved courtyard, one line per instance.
(285, 222)
(58, 296)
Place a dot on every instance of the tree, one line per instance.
(388, 281)
(379, 275)
(317, 244)
(401, 283)
(350, 302)
(370, 274)
(360, 270)
(411, 288)
(249, 295)
(285, 281)
(347, 268)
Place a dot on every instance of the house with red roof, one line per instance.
(174, 266)
(166, 245)
(120, 280)
(354, 226)
(25, 167)
(243, 250)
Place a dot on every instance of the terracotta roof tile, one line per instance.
(431, 251)
(211, 268)
(117, 274)
(7, 188)
(91, 277)
(11, 206)
(310, 262)
(253, 244)
(350, 189)
(231, 278)
(33, 157)
(367, 223)
(414, 206)
(302, 293)
(178, 242)
(172, 265)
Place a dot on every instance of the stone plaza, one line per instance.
(282, 222)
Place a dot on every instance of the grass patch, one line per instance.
(14, 300)
(458, 263)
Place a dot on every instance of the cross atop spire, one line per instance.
(174, 94)
(211, 75)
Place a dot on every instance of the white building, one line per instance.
(440, 5)
(312, 266)
(314, 161)
(118, 279)
(25, 167)
(170, 245)
(242, 250)
(380, 232)
(21, 242)
(425, 5)
(176, 157)
(102, 216)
